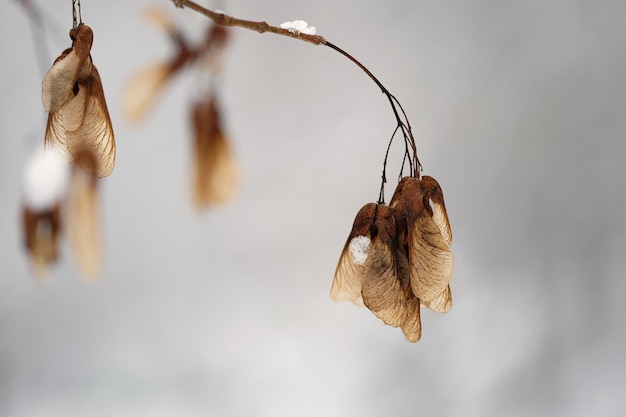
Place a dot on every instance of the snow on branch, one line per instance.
(295, 30)
(299, 26)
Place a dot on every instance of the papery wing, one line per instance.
(225, 176)
(215, 173)
(83, 218)
(161, 19)
(402, 256)
(144, 89)
(402, 261)
(440, 216)
(56, 134)
(382, 290)
(41, 235)
(412, 328)
(430, 260)
(441, 304)
(348, 278)
(57, 84)
(72, 114)
(95, 135)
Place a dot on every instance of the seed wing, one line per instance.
(441, 304)
(382, 289)
(412, 328)
(440, 216)
(83, 219)
(95, 133)
(56, 135)
(348, 279)
(144, 89)
(57, 84)
(215, 172)
(430, 260)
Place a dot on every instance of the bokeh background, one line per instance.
(519, 111)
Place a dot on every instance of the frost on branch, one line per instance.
(299, 26)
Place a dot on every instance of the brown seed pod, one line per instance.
(433, 192)
(412, 328)
(382, 289)
(83, 217)
(351, 266)
(41, 234)
(78, 117)
(215, 173)
(430, 260)
(401, 231)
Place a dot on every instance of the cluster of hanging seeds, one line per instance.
(61, 188)
(215, 174)
(397, 257)
(72, 94)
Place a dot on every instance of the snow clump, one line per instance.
(299, 26)
(359, 248)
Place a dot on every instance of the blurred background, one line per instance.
(518, 110)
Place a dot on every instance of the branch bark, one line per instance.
(260, 27)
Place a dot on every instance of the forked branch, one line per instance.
(410, 154)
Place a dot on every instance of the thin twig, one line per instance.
(260, 27)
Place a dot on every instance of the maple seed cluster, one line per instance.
(78, 118)
(78, 132)
(215, 173)
(397, 257)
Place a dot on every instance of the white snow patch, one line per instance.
(299, 26)
(359, 247)
(46, 179)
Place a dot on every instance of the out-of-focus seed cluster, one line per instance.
(214, 173)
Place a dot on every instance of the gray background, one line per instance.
(518, 111)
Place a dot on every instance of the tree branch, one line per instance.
(260, 27)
